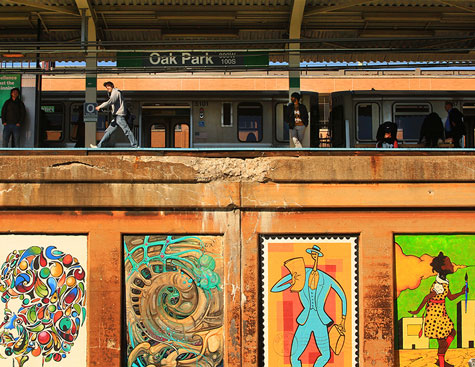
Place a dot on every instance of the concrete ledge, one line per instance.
(120, 196)
(287, 167)
(295, 196)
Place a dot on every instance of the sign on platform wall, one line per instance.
(90, 113)
(7, 82)
(192, 59)
(309, 292)
(43, 300)
(174, 300)
(435, 299)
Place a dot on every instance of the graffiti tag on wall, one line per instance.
(309, 301)
(435, 299)
(174, 301)
(43, 291)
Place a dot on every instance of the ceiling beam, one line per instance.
(296, 17)
(455, 5)
(36, 5)
(344, 5)
(86, 5)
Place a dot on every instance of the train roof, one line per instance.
(412, 93)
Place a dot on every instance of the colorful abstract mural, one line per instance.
(309, 311)
(43, 293)
(435, 300)
(174, 301)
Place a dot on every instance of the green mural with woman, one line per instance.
(435, 302)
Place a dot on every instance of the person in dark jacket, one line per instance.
(386, 135)
(432, 130)
(296, 116)
(454, 126)
(13, 116)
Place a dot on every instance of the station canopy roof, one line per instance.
(326, 31)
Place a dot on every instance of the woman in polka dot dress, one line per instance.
(437, 324)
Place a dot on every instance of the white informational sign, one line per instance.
(90, 113)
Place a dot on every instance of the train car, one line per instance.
(356, 115)
(233, 119)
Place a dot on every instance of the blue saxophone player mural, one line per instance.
(313, 286)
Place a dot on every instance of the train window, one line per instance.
(227, 114)
(182, 135)
(367, 115)
(52, 122)
(76, 121)
(76, 127)
(409, 118)
(249, 116)
(281, 128)
(158, 136)
(102, 121)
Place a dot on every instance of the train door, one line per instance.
(166, 126)
(469, 122)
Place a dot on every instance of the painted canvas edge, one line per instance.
(264, 284)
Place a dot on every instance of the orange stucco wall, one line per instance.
(322, 84)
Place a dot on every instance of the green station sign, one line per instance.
(7, 82)
(192, 59)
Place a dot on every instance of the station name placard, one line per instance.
(192, 59)
(7, 82)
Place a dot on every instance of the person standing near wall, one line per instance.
(454, 126)
(13, 115)
(432, 130)
(119, 111)
(296, 116)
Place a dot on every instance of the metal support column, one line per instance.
(39, 130)
(295, 27)
(88, 37)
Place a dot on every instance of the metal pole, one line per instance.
(37, 129)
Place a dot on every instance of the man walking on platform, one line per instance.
(119, 111)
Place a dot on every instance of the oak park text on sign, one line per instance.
(189, 59)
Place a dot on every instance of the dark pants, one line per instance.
(11, 130)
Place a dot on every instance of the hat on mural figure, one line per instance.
(315, 248)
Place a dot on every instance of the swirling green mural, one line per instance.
(174, 301)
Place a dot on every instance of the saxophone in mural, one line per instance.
(174, 303)
(44, 294)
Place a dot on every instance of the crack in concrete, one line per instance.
(71, 163)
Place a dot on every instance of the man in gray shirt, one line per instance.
(119, 112)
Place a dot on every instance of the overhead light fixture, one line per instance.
(13, 56)
(402, 17)
(201, 35)
(394, 33)
(196, 16)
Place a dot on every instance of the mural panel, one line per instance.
(309, 297)
(435, 302)
(43, 297)
(174, 301)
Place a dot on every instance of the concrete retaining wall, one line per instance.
(239, 199)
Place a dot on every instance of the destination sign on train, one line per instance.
(192, 59)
